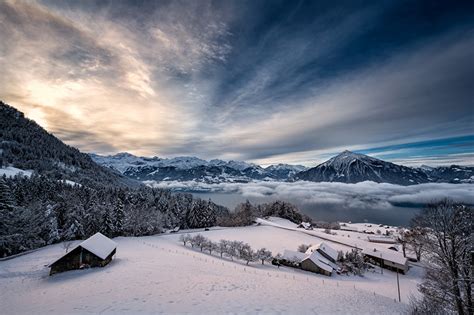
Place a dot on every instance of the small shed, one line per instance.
(315, 263)
(387, 259)
(96, 251)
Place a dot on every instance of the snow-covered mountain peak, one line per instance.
(345, 158)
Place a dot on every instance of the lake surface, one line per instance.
(396, 216)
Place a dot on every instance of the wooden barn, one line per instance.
(96, 251)
(325, 250)
(317, 263)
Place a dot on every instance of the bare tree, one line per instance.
(449, 244)
(210, 246)
(223, 247)
(199, 241)
(303, 248)
(246, 253)
(264, 255)
(185, 238)
(402, 239)
(66, 246)
(416, 238)
(234, 248)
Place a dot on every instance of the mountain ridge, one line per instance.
(346, 167)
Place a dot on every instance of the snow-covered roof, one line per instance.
(388, 255)
(98, 244)
(381, 239)
(293, 256)
(320, 261)
(305, 225)
(324, 247)
(349, 228)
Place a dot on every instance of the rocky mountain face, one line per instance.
(349, 167)
(450, 174)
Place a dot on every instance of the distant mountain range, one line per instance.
(27, 146)
(192, 168)
(347, 167)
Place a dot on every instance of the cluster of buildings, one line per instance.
(320, 258)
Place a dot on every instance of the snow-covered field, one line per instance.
(157, 274)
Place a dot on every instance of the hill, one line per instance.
(157, 274)
(26, 145)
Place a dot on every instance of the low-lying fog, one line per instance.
(373, 202)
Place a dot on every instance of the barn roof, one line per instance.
(293, 256)
(388, 255)
(324, 247)
(98, 244)
(320, 261)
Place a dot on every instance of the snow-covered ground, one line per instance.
(157, 274)
(11, 171)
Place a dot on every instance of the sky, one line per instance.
(262, 81)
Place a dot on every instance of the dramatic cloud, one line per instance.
(265, 82)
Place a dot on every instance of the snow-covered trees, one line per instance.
(37, 211)
(353, 262)
(202, 214)
(264, 255)
(223, 247)
(303, 248)
(246, 253)
(231, 249)
(449, 243)
(185, 238)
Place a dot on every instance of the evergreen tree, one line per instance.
(107, 224)
(119, 214)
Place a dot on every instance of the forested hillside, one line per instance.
(38, 211)
(68, 196)
(25, 145)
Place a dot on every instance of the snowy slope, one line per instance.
(156, 274)
(11, 171)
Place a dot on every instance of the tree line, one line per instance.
(230, 249)
(39, 211)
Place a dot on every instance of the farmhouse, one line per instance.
(312, 261)
(317, 263)
(96, 251)
(387, 259)
(325, 250)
